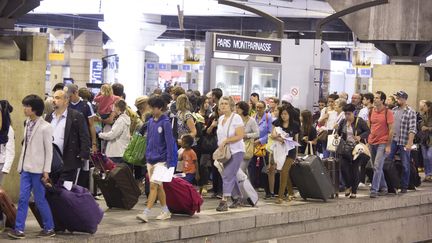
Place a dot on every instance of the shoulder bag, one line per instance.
(223, 154)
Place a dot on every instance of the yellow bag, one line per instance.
(269, 144)
(260, 150)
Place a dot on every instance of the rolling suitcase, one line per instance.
(333, 168)
(311, 178)
(118, 187)
(74, 210)
(249, 195)
(8, 208)
(181, 197)
(391, 175)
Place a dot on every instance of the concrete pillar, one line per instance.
(19, 78)
(131, 32)
(410, 78)
(85, 46)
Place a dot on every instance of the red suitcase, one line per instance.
(181, 197)
(8, 208)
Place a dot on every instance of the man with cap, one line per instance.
(405, 128)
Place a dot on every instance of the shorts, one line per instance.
(150, 169)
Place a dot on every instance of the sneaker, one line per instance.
(223, 206)
(46, 234)
(16, 234)
(403, 190)
(373, 195)
(143, 217)
(362, 186)
(352, 196)
(164, 215)
(382, 193)
(235, 204)
(267, 196)
(279, 201)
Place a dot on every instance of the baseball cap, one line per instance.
(71, 88)
(401, 94)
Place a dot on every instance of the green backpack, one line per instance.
(135, 151)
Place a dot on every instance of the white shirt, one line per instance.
(59, 126)
(222, 131)
(7, 151)
(364, 114)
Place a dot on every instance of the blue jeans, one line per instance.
(378, 158)
(427, 159)
(405, 159)
(28, 182)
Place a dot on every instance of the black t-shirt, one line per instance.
(311, 136)
(293, 130)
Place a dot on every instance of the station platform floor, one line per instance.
(121, 225)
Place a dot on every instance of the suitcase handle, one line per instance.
(99, 162)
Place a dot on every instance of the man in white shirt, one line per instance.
(368, 100)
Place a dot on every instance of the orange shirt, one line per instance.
(379, 126)
(188, 157)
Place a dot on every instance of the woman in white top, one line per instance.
(230, 132)
(119, 137)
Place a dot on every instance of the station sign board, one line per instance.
(246, 45)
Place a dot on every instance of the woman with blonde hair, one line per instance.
(230, 132)
(105, 101)
(185, 120)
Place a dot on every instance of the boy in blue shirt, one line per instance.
(159, 152)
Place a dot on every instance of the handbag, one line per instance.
(333, 142)
(260, 150)
(249, 149)
(345, 148)
(135, 151)
(223, 154)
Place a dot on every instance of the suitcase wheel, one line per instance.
(333, 196)
(325, 199)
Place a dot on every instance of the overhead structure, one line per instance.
(11, 10)
(401, 28)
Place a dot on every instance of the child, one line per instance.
(159, 152)
(34, 167)
(189, 159)
(105, 101)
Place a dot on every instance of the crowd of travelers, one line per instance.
(189, 128)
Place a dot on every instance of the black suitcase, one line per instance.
(391, 175)
(118, 187)
(312, 178)
(333, 168)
